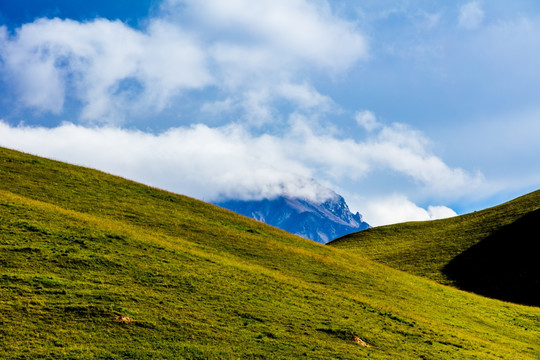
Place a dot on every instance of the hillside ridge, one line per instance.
(504, 265)
(427, 248)
(95, 266)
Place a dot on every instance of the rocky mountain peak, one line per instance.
(321, 221)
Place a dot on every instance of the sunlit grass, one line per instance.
(424, 248)
(81, 250)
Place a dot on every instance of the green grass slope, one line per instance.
(504, 265)
(427, 248)
(94, 266)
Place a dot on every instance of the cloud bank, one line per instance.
(240, 85)
(256, 52)
(231, 162)
(397, 208)
(112, 69)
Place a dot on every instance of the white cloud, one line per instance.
(258, 53)
(263, 51)
(198, 161)
(397, 148)
(397, 208)
(406, 151)
(230, 161)
(35, 79)
(278, 31)
(111, 68)
(256, 105)
(305, 96)
(440, 212)
(471, 15)
(367, 120)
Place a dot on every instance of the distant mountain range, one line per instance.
(315, 220)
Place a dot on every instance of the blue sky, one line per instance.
(410, 109)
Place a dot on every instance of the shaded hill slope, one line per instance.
(425, 248)
(504, 265)
(94, 266)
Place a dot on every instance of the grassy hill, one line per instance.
(95, 266)
(504, 265)
(492, 252)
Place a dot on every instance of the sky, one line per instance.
(412, 110)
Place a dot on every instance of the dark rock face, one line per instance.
(321, 222)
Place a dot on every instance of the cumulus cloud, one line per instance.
(276, 32)
(255, 105)
(260, 52)
(110, 67)
(440, 212)
(305, 95)
(253, 57)
(397, 148)
(207, 163)
(230, 161)
(367, 120)
(397, 208)
(470, 15)
(263, 51)
(406, 151)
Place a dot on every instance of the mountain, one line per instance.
(315, 220)
(491, 252)
(93, 266)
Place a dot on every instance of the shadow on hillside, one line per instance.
(505, 265)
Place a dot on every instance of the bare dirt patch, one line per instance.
(124, 319)
(360, 341)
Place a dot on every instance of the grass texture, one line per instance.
(95, 266)
(425, 248)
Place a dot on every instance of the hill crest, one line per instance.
(436, 249)
(92, 264)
